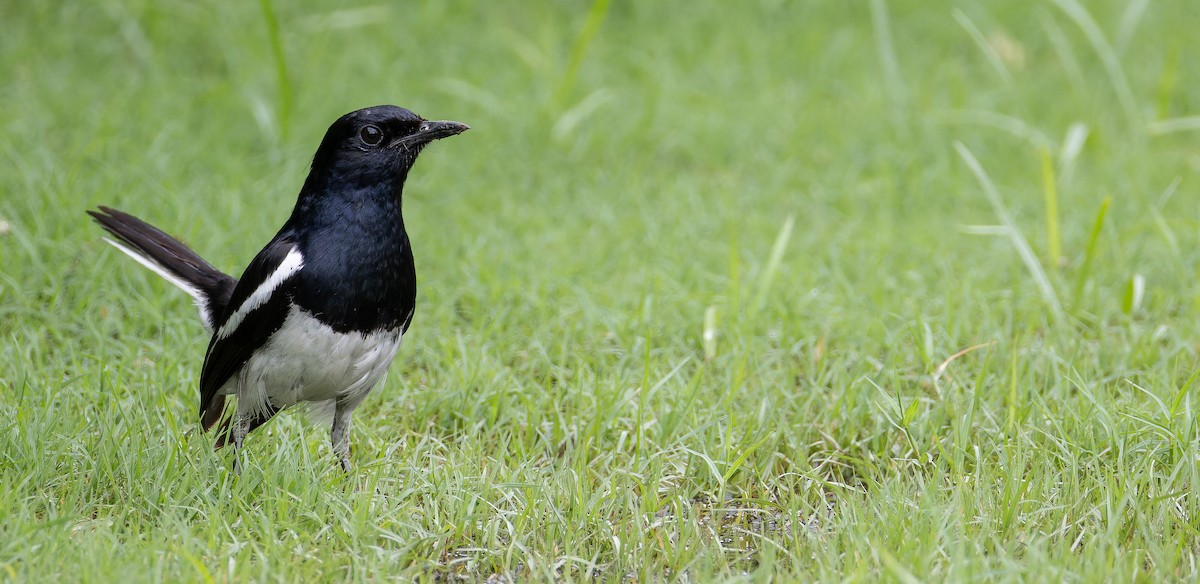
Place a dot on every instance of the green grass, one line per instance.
(710, 290)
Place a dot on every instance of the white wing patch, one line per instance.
(291, 264)
(192, 291)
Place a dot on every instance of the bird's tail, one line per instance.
(171, 259)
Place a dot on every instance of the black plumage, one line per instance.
(318, 314)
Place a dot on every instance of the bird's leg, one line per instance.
(239, 435)
(339, 435)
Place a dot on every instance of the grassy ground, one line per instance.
(869, 290)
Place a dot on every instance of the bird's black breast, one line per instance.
(358, 271)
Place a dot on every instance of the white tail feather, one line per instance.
(166, 274)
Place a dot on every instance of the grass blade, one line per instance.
(1108, 57)
(1010, 124)
(981, 42)
(1073, 143)
(1134, 290)
(772, 267)
(893, 78)
(1174, 125)
(281, 70)
(1014, 234)
(591, 26)
(741, 459)
(710, 332)
(1161, 221)
(1065, 52)
(1130, 19)
(1167, 83)
(1050, 188)
(1085, 270)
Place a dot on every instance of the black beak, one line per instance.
(430, 131)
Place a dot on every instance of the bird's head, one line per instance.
(376, 145)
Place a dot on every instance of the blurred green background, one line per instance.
(710, 290)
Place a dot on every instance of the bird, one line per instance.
(318, 315)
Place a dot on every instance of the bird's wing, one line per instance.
(257, 308)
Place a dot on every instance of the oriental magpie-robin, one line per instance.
(318, 315)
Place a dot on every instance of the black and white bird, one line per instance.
(318, 315)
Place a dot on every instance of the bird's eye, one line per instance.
(370, 135)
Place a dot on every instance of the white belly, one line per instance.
(307, 361)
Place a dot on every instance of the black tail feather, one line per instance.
(171, 259)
